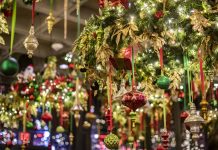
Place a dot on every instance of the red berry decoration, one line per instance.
(134, 99)
(159, 14)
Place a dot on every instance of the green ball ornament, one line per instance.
(36, 86)
(69, 94)
(70, 85)
(163, 82)
(29, 125)
(9, 66)
(111, 141)
(39, 98)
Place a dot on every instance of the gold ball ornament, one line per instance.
(111, 141)
(31, 43)
(90, 116)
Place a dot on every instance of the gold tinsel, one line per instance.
(198, 21)
(3, 28)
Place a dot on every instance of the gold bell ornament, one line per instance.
(31, 43)
(50, 22)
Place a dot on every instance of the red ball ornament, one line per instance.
(9, 143)
(134, 99)
(181, 94)
(159, 14)
(46, 116)
(71, 66)
(31, 97)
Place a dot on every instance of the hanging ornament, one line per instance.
(165, 139)
(134, 99)
(76, 109)
(194, 121)
(71, 137)
(29, 125)
(31, 43)
(111, 141)
(60, 129)
(9, 66)
(204, 102)
(46, 116)
(50, 19)
(163, 82)
(90, 116)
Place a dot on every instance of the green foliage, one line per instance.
(176, 26)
